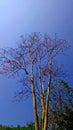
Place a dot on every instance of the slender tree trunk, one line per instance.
(48, 95)
(35, 108)
(46, 109)
(42, 103)
(42, 100)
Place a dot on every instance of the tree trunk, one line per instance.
(46, 110)
(43, 104)
(35, 108)
(47, 104)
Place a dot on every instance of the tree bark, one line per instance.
(48, 95)
(42, 103)
(35, 108)
(46, 109)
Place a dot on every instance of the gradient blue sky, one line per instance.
(19, 17)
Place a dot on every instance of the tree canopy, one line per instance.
(35, 59)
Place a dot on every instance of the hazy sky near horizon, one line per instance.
(21, 17)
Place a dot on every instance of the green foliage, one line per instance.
(61, 106)
(29, 126)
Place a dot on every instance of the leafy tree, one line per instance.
(34, 59)
(29, 126)
(61, 106)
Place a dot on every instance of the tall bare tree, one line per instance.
(34, 59)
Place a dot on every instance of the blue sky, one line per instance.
(21, 17)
